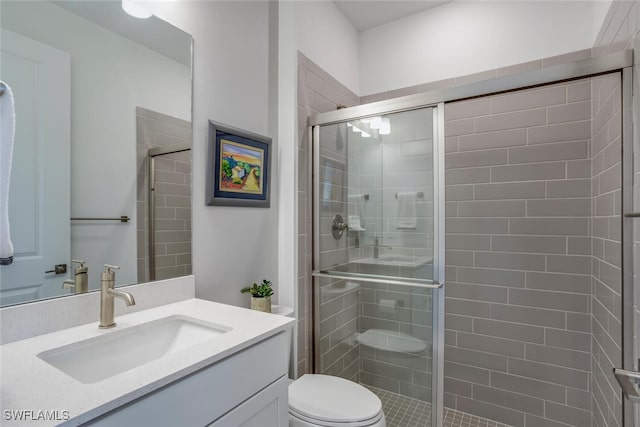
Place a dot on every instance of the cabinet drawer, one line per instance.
(206, 395)
(269, 408)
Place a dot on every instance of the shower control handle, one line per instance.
(338, 226)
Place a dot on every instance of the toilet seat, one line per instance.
(329, 401)
(325, 423)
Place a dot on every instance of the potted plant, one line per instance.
(260, 295)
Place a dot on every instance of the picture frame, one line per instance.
(238, 168)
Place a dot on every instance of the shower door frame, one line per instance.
(436, 285)
(619, 61)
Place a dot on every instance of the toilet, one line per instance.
(324, 400)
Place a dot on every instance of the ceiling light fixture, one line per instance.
(135, 9)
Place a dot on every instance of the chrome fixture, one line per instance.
(80, 282)
(628, 381)
(338, 226)
(107, 293)
(364, 197)
(123, 218)
(377, 246)
(58, 269)
(419, 195)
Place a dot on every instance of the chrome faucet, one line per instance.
(107, 293)
(80, 282)
(377, 246)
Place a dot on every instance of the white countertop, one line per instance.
(30, 384)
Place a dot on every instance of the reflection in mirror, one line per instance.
(378, 174)
(95, 91)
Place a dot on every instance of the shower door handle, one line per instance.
(628, 381)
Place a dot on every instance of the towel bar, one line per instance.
(419, 195)
(123, 218)
(364, 197)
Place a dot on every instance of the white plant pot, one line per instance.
(261, 304)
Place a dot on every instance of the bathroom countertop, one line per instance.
(30, 384)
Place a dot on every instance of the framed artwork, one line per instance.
(238, 168)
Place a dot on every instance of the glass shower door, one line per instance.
(378, 304)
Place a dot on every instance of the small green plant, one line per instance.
(262, 290)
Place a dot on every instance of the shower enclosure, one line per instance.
(163, 195)
(378, 262)
(176, 156)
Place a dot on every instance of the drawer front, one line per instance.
(209, 393)
(269, 408)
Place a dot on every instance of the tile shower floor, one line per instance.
(403, 411)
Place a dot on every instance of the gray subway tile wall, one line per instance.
(620, 31)
(606, 271)
(173, 195)
(516, 281)
(318, 92)
(385, 366)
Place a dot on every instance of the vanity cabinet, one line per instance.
(247, 388)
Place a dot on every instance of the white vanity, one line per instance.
(189, 363)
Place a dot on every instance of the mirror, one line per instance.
(97, 95)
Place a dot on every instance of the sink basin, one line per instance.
(102, 357)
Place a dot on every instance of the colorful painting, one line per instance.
(238, 168)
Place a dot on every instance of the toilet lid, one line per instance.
(333, 399)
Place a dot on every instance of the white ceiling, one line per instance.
(365, 14)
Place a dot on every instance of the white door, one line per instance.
(39, 195)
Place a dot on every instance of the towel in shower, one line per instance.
(7, 132)
(407, 211)
(354, 218)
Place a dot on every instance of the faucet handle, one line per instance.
(78, 261)
(109, 267)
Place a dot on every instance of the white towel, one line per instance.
(7, 132)
(407, 210)
(354, 208)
